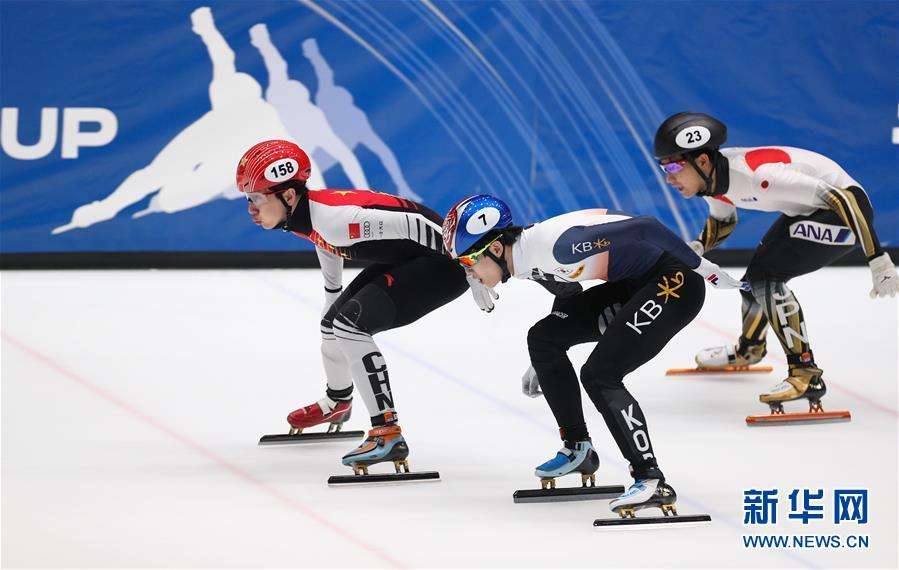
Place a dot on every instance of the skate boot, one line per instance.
(645, 493)
(574, 457)
(384, 443)
(731, 357)
(803, 382)
(578, 456)
(334, 413)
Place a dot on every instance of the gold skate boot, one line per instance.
(803, 382)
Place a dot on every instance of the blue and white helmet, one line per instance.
(473, 222)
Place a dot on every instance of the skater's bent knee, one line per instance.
(759, 288)
(601, 377)
(543, 346)
(536, 336)
(371, 310)
(762, 288)
(545, 332)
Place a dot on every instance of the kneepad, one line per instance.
(609, 378)
(546, 337)
(546, 329)
(761, 289)
(371, 310)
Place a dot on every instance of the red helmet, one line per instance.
(271, 163)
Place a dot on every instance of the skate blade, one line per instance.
(284, 438)
(680, 521)
(567, 494)
(799, 418)
(722, 370)
(384, 478)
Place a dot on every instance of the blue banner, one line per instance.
(123, 122)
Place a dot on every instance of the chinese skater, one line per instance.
(409, 276)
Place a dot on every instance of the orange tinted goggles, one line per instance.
(471, 259)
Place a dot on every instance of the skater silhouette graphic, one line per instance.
(197, 166)
(349, 121)
(306, 123)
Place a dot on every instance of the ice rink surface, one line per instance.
(132, 403)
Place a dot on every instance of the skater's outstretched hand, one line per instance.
(483, 295)
(883, 275)
(717, 277)
(530, 384)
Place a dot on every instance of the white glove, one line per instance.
(329, 299)
(530, 385)
(483, 295)
(883, 275)
(719, 278)
(697, 247)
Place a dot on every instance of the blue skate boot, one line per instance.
(384, 443)
(577, 456)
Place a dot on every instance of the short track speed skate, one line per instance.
(802, 383)
(384, 444)
(325, 411)
(576, 457)
(643, 494)
(727, 360)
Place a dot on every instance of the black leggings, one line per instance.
(630, 321)
(387, 296)
(793, 246)
(380, 298)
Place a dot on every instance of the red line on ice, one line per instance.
(239, 472)
(782, 360)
